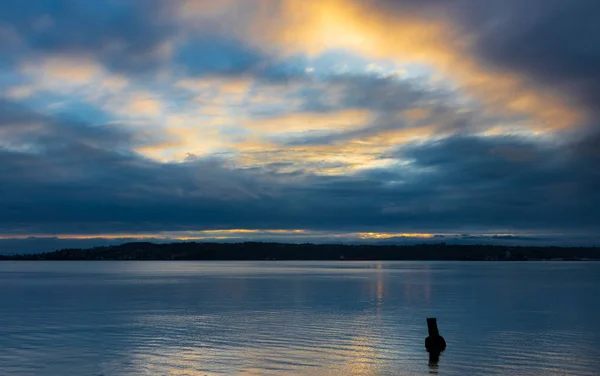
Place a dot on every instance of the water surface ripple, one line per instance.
(298, 318)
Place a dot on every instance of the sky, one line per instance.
(295, 120)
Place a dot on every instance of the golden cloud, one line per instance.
(316, 26)
(144, 105)
(307, 121)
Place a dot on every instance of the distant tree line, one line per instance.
(279, 251)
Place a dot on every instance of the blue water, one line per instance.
(298, 318)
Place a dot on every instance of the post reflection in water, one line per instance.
(434, 358)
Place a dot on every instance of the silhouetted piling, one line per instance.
(434, 343)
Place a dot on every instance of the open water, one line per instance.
(298, 318)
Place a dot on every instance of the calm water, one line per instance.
(297, 318)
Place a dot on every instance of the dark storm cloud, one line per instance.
(380, 93)
(554, 43)
(507, 181)
(551, 43)
(366, 91)
(124, 35)
(213, 54)
(20, 125)
(83, 184)
(133, 37)
(387, 98)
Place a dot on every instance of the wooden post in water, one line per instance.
(435, 343)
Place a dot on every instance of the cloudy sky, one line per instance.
(300, 120)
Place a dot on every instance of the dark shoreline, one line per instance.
(256, 251)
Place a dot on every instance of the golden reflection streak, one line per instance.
(380, 288)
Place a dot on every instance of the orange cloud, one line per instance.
(66, 74)
(180, 142)
(380, 235)
(178, 235)
(316, 26)
(362, 151)
(306, 121)
(19, 92)
(144, 105)
(76, 70)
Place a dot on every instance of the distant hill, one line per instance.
(280, 251)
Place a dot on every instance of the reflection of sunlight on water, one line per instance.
(291, 342)
(380, 277)
(349, 346)
(361, 360)
(275, 343)
(379, 289)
